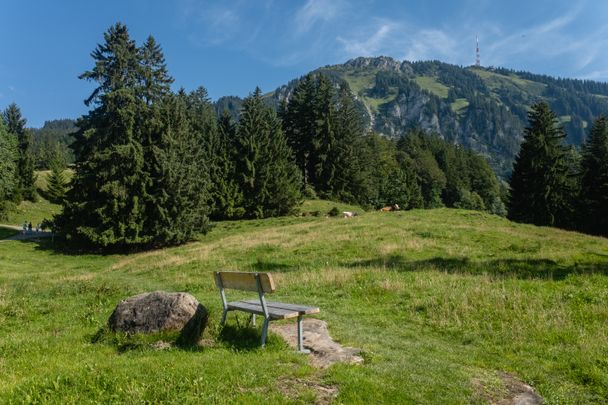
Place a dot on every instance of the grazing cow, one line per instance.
(394, 207)
(349, 214)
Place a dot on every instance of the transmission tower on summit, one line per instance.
(477, 55)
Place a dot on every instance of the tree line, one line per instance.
(21, 155)
(153, 167)
(553, 184)
(339, 160)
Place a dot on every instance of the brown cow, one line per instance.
(394, 207)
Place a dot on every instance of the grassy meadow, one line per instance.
(35, 212)
(439, 301)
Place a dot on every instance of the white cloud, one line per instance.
(545, 39)
(368, 45)
(12, 88)
(317, 32)
(397, 39)
(212, 23)
(315, 11)
(431, 44)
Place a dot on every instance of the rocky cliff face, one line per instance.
(479, 108)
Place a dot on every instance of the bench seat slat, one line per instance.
(301, 309)
(256, 308)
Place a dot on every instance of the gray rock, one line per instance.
(511, 391)
(323, 349)
(161, 311)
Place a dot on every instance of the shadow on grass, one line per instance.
(124, 342)
(58, 246)
(240, 338)
(274, 267)
(519, 268)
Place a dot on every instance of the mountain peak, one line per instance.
(378, 62)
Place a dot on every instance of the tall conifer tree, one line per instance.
(228, 202)
(267, 174)
(57, 182)
(594, 180)
(25, 176)
(299, 123)
(106, 204)
(540, 187)
(321, 171)
(8, 168)
(344, 172)
(178, 206)
(154, 78)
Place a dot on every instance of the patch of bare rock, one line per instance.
(512, 392)
(324, 351)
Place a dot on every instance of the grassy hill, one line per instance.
(439, 300)
(35, 212)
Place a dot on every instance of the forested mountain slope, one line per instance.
(480, 108)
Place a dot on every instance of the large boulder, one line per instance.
(161, 311)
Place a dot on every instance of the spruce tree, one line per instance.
(106, 204)
(178, 207)
(267, 175)
(228, 202)
(142, 173)
(320, 170)
(8, 168)
(154, 78)
(25, 176)
(299, 123)
(342, 167)
(594, 179)
(203, 124)
(541, 191)
(57, 182)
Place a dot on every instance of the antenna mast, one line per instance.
(477, 55)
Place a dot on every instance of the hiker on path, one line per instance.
(24, 227)
(29, 227)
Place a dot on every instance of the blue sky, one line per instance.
(232, 46)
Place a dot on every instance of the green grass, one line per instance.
(460, 105)
(495, 80)
(437, 299)
(42, 177)
(33, 212)
(359, 81)
(375, 103)
(431, 84)
(36, 212)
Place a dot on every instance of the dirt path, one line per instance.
(25, 236)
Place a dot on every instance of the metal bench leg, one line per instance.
(301, 348)
(224, 315)
(265, 331)
(253, 319)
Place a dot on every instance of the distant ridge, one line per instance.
(481, 108)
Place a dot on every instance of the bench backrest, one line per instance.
(239, 280)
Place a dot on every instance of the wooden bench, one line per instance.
(262, 283)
